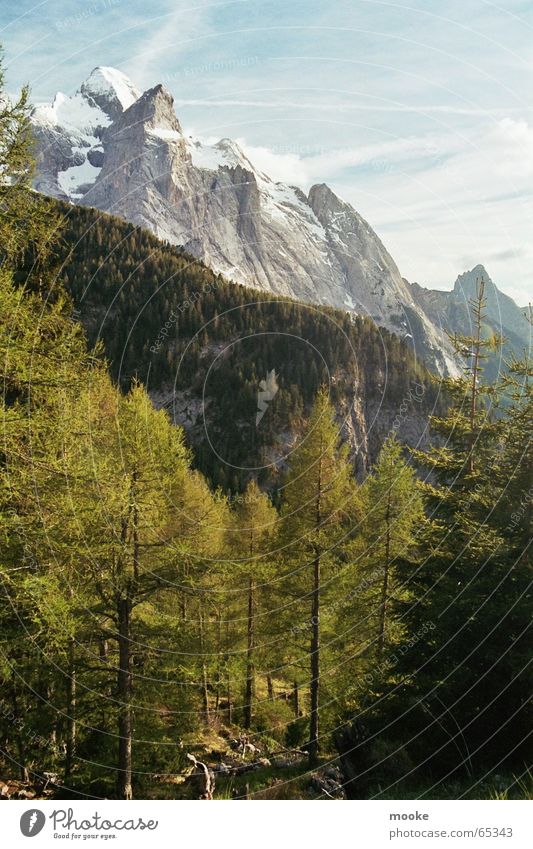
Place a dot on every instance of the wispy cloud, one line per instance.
(165, 35)
(429, 109)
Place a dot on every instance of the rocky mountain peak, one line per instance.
(467, 281)
(110, 89)
(154, 110)
(466, 286)
(323, 199)
(233, 153)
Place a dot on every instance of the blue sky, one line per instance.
(420, 114)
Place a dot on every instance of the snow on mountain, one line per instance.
(76, 115)
(110, 147)
(70, 130)
(210, 157)
(107, 86)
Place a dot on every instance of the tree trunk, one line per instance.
(296, 700)
(385, 584)
(219, 663)
(124, 687)
(19, 725)
(478, 316)
(315, 632)
(71, 710)
(230, 706)
(315, 662)
(250, 674)
(270, 688)
(205, 690)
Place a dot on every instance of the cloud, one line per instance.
(400, 109)
(441, 202)
(167, 35)
(308, 163)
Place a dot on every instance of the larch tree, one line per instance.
(252, 539)
(137, 456)
(44, 363)
(319, 506)
(394, 513)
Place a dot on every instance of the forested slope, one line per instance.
(201, 345)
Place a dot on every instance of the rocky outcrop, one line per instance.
(451, 313)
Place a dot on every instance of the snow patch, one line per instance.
(165, 133)
(75, 114)
(211, 157)
(71, 180)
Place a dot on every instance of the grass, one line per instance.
(269, 783)
(497, 787)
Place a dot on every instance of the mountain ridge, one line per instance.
(125, 153)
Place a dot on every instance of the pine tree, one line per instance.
(460, 684)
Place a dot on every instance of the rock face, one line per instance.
(112, 148)
(450, 311)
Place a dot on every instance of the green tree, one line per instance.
(318, 513)
(461, 685)
(27, 220)
(252, 538)
(394, 514)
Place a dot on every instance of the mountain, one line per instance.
(113, 148)
(450, 311)
(202, 345)
(109, 147)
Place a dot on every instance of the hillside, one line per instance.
(202, 345)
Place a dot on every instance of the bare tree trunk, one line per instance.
(250, 674)
(183, 595)
(19, 724)
(270, 687)
(296, 700)
(71, 710)
(315, 632)
(478, 317)
(228, 673)
(385, 584)
(219, 663)
(205, 690)
(124, 687)
(230, 705)
(315, 662)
